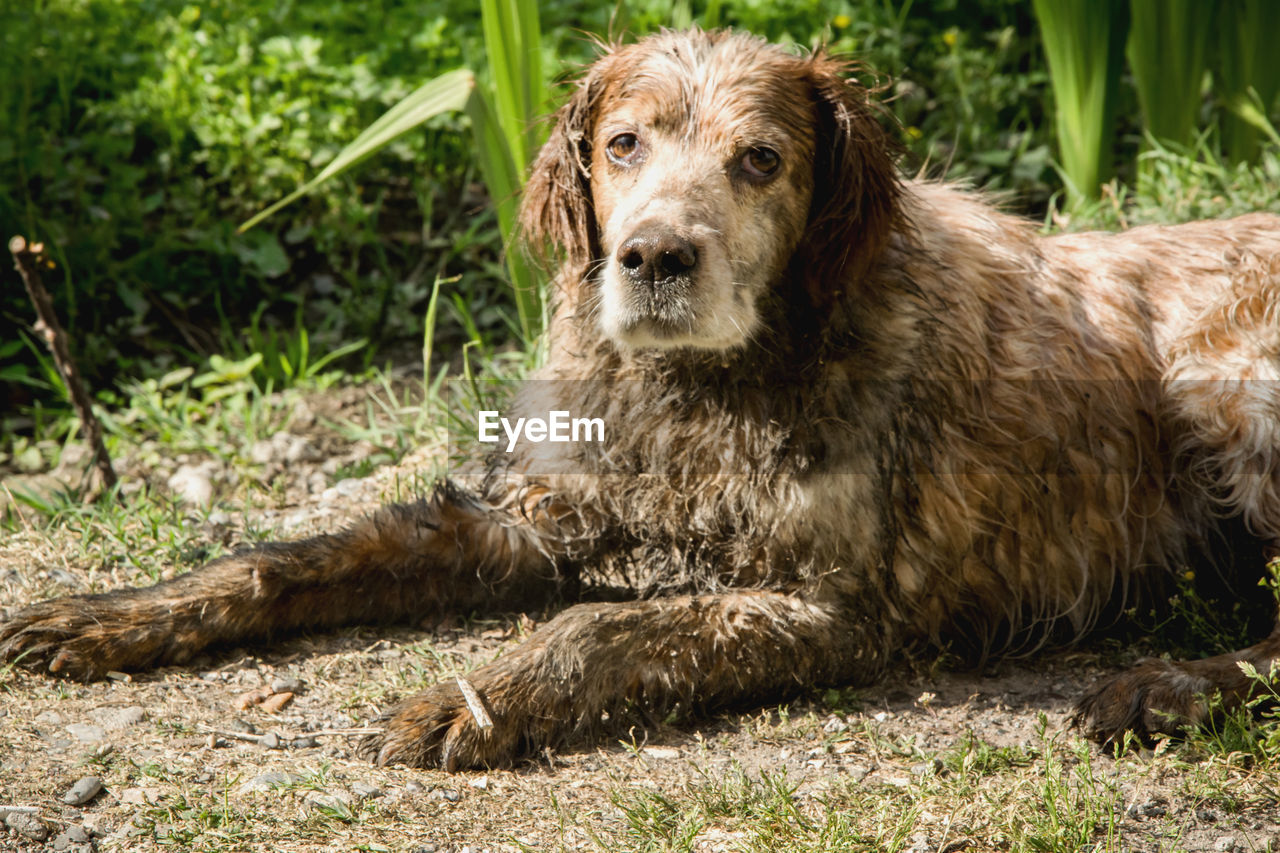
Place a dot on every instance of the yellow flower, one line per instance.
(841, 21)
(950, 37)
(914, 132)
(1188, 575)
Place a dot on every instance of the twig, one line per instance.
(26, 260)
(475, 704)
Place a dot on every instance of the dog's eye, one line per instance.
(623, 147)
(761, 162)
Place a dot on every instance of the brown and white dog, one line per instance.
(850, 417)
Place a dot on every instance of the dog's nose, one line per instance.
(654, 256)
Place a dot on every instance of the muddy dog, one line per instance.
(850, 416)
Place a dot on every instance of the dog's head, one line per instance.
(691, 172)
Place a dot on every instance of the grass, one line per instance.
(1049, 796)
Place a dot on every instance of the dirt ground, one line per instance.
(253, 748)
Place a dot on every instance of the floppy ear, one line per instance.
(855, 181)
(556, 210)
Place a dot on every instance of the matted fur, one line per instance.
(853, 416)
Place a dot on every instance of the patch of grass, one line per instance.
(1048, 795)
(1178, 185)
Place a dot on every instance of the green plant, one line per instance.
(1248, 76)
(502, 122)
(1168, 45)
(1084, 43)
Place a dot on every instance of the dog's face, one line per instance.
(701, 172)
(691, 172)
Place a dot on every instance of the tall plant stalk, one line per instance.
(1248, 74)
(1168, 43)
(1084, 44)
(513, 41)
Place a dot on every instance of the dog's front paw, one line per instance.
(1154, 697)
(455, 726)
(80, 637)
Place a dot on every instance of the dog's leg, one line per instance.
(1167, 697)
(446, 553)
(595, 659)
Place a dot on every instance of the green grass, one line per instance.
(1048, 796)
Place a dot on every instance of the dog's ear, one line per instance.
(855, 181)
(556, 210)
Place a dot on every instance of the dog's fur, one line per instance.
(849, 417)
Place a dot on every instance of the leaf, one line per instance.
(262, 253)
(446, 93)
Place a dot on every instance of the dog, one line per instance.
(851, 417)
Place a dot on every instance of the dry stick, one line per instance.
(26, 260)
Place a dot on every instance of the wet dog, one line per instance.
(848, 417)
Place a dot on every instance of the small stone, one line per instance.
(661, 753)
(262, 452)
(138, 796)
(481, 784)
(920, 844)
(1147, 809)
(336, 801)
(270, 781)
(87, 733)
(118, 718)
(270, 740)
(193, 484)
(203, 778)
(414, 787)
(366, 790)
(300, 449)
(98, 825)
(73, 839)
(448, 794)
(349, 488)
(49, 718)
(1225, 844)
(27, 825)
(63, 577)
(927, 768)
(304, 742)
(244, 727)
(84, 790)
(286, 684)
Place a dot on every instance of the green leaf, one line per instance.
(1248, 74)
(446, 93)
(1084, 43)
(262, 253)
(1167, 46)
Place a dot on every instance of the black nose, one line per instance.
(650, 257)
